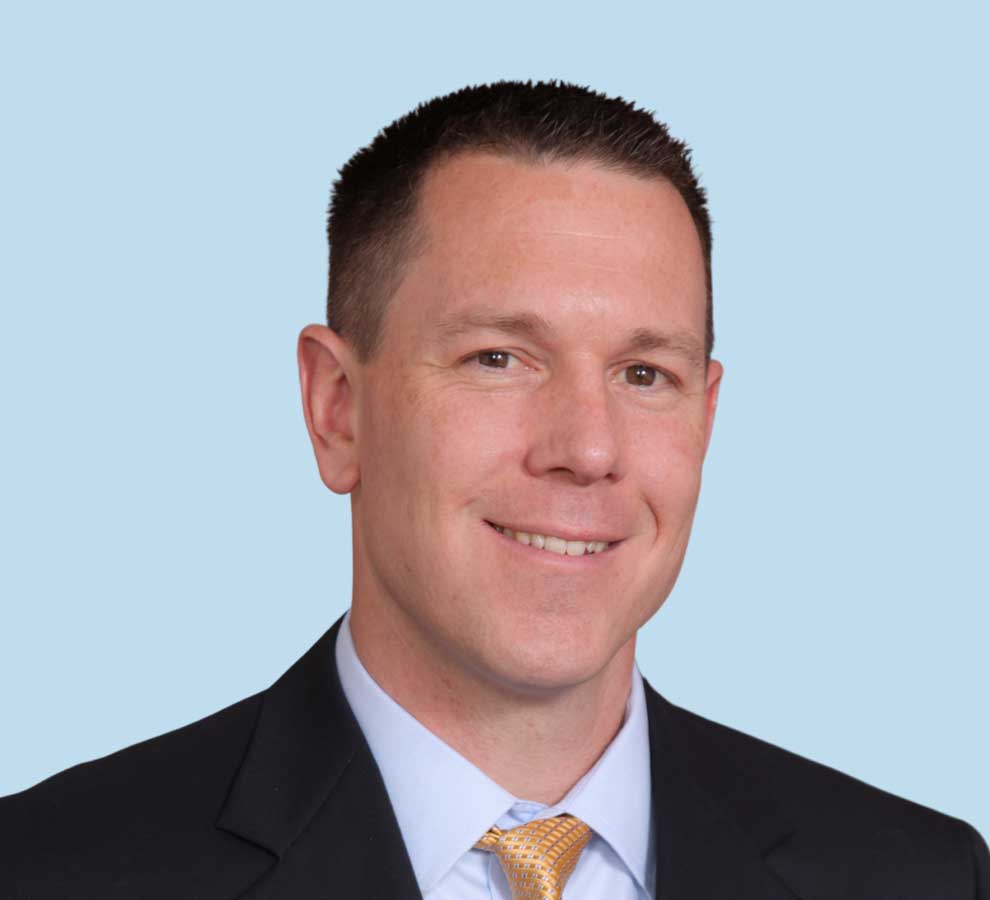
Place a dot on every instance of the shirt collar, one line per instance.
(461, 802)
(614, 796)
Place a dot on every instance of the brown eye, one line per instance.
(494, 359)
(642, 376)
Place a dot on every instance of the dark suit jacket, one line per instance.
(279, 798)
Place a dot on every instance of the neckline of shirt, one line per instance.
(613, 797)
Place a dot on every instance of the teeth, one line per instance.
(554, 544)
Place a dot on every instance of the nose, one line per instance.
(575, 429)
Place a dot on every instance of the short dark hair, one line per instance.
(371, 221)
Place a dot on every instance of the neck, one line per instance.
(536, 743)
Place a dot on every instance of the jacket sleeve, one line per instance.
(980, 855)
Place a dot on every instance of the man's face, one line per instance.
(516, 386)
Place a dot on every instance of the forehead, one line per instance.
(560, 239)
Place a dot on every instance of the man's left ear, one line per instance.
(713, 382)
(326, 370)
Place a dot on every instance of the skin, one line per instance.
(518, 658)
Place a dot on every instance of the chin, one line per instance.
(548, 665)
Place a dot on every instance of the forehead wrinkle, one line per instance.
(578, 251)
(570, 233)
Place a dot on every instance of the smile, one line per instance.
(552, 543)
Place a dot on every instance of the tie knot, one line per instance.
(538, 857)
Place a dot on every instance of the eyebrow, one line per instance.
(643, 340)
(535, 327)
(528, 325)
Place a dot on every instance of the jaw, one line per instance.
(575, 613)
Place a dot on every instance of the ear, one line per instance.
(326, 377)
(713, 381)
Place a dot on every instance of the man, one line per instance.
(516, 389)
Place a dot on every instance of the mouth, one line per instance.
(550, 543)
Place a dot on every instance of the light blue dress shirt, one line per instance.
(444, 803)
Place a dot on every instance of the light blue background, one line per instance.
(167, 546)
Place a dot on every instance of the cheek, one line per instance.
(440, 446)
(470, 436)
(666, 456)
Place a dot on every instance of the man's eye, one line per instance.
(640, 375)
(493, 359)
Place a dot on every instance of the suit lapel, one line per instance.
(310, 794)
(715, 827)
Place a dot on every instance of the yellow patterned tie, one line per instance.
(538, 857)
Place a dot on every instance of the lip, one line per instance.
(556, 531)
(548, 557)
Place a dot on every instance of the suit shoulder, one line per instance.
(835, 816)
(165, 792)
(184, 755)
(811, 784)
